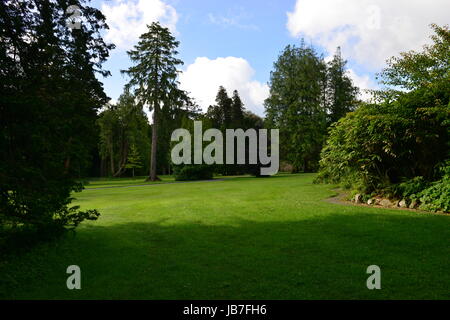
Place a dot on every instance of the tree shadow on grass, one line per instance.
(315, 258)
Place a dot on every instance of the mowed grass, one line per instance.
(136, 181)
(242, 238)
(124, 182)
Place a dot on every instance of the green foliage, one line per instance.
(414, 70)
(73, 217)
(134, 160)
(122, 127)
(237, 111)
(377, 146)
(221, 113)
(410, 189)
(171, 118)
(295, 105)
(49, 98)
(306, 95)
(229, 113)
(436, 197)
(341, 94)
(394, 147)
(193, 172)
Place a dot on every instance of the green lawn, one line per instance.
(136, 181)
(122, 182)
(242, 238)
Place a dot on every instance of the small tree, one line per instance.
(134, 160)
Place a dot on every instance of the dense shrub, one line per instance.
(381, 145)
(393, 146)
(373, 149)
(410, 189)
(437, 196)
(193, 172)
(392, 151)
(49, 99)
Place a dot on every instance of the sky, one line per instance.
(235, 43)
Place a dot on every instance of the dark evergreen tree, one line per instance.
(296, 105)
(341, 94)
(49, 97)
(229, 113)
(154, 78)
(221, 113)
(237, 111)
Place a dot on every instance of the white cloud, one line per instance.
(231, 21)
(203, 78)
(127, 20)
(368, 31)
(363, 83)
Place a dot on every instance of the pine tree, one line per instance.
(237, 111)
(221, 113)
(154, 77)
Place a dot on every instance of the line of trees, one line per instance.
(125, 134)
(153, 85)
(307, 95)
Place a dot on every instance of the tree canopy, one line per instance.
(49, 97)
(400, 145)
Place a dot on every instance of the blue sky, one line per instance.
(234, 43)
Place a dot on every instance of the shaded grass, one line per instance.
(243, 238)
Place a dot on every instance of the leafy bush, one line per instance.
(47, 113)
(437, 196)
(193, 172)
(392, 147)
(411, 188)
(381, 145)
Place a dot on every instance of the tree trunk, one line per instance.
(124, 157)
(67, 165)
(102, 167)
(67, 161)
(153, 176)
(111, 157)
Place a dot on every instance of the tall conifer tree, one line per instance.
(154, 77)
